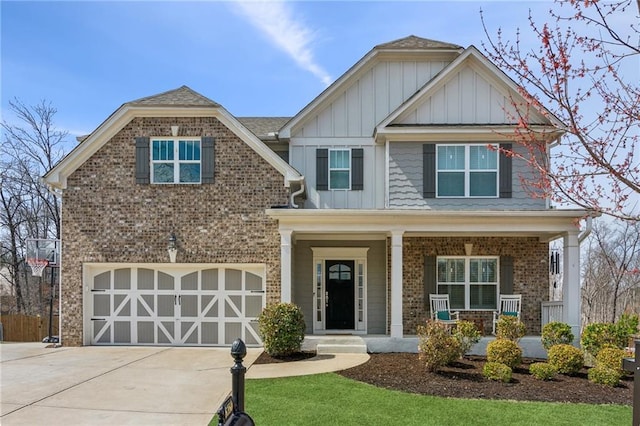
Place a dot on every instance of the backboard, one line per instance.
(42, 249)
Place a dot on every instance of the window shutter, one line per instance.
(505, 171)
(322, 169)
(506, 275)
(142, 160)
(429, 170)
(357, 172)
(429, 278)
(208, 158)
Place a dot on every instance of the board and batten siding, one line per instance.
(369, 99)
(406, 184)
(467, 97)
(376, 280)
(303, 158)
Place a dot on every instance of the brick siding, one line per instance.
(530, 276)
(107, 217)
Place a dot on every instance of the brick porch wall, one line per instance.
(107, 217)
(530, 270)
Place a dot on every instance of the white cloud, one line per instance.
(277, 21)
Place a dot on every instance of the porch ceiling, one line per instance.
(377, 224)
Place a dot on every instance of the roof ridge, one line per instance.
(182, 96)
(415, 42)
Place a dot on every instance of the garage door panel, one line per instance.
(172, 305)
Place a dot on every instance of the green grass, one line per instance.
(326, 399)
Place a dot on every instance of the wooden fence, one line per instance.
(26, 328)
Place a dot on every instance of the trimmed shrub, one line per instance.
(510, 328)
(504, 351)
(542, 370)
(467, 334)
(567, 359)
(437, 347)
(627, 325)
(604, 375)
(281, 327)
(611, 357)
(497, 371)
(556, 333)
(598, 335)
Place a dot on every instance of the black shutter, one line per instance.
(429, 170)
(208, 158)
(505, 171)
(429, 278)
(357, 172)
(506, 275)
(142, 160)
(322, 169)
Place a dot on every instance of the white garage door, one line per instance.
(175, 306)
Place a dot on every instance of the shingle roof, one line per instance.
(263, 126)
(182, 96)
(413, 42)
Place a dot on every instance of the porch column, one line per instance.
(285, 266)
(571, 283)
(396, 284)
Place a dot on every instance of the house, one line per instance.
(181, 221)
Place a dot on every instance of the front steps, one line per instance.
(334, 344)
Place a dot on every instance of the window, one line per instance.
(175, 160)
(467, 171)
(471, 282)
(339, 168)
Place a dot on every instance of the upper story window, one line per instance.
(339, 169)
(467, 171)
(175, 160)
(471, 282)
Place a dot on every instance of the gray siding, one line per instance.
(376, 280)
(406, 185)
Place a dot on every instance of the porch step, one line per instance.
(335, 344)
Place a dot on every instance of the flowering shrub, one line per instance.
(510, 327)
(566, 359)
(467, 335)
(497, 371)
(504, 351)
(542, 370)
(556, 333)
(604, 375)
(281, 327)
(437, 347)
(611, 357)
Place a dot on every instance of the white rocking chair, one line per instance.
(440, 309)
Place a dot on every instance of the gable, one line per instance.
(182, 102)
(468, 95)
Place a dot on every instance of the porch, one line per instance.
(327, 344)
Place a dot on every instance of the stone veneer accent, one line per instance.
(107, 217)
(530, 276)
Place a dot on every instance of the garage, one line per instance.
(201, 305)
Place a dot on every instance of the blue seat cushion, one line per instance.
(443, 315)
(511, 314)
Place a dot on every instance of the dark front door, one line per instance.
(340, 310)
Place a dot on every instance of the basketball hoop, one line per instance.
(37, 266)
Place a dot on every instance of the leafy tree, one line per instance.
(577, 71)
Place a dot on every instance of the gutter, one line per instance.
(587, 231)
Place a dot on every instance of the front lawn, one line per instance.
(332, 399)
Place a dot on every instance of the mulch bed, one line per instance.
(464, 379)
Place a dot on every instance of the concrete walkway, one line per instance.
(124, 385)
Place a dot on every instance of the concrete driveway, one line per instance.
(113, 385)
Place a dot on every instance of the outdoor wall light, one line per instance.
(172, 248)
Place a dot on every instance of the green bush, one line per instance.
(467, 334)
(281, 327)
(497, 371)
(628, 325)
(556, 333)
(611, 357)
(542, 370)
(567, 359)
(598, 335)
(604, 375)
(437, 347)
(504, 351)
(510, 327)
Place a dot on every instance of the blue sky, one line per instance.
(256, 59)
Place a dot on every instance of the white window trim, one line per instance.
(176, 160)
(467, 171)
(467, 283)
(329, 169)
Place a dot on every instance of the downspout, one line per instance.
(298, 192)
(584, 234)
